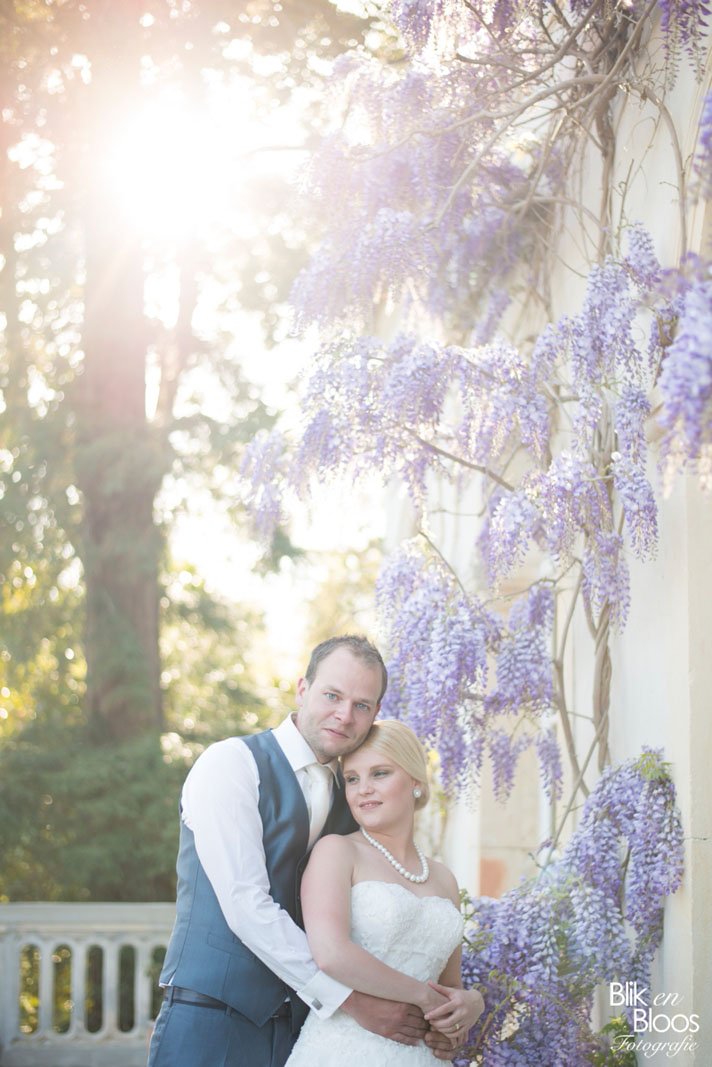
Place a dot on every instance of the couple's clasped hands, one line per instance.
(442, 1017)
(450, 1012)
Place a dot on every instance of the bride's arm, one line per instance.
(464, 1006)
(326, 906)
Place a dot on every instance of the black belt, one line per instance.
(175, 994)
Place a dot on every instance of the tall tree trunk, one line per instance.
(13, 381)
(119, 460)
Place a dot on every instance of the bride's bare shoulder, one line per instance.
(336, 845)
(444, 881)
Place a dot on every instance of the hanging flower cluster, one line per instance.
(703, 162)
(439, 639)
(593, 915)
(442, 643)
(686, 386)
(264, 477)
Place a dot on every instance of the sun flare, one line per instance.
(171, 166)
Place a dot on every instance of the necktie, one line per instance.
(319, 798)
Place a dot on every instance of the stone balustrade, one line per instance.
(78, 982)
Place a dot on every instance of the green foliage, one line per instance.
(29, 989)
(613, 1055)
(77, 802)
(652, 767)
(42, 668)
(343, 600)
(89, 822)
(210, 663)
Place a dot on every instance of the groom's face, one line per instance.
(337, 708)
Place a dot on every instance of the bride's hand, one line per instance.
(433, 999)
(460, 1011)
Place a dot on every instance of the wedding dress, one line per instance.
(415, 935)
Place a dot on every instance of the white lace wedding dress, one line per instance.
(415, 935)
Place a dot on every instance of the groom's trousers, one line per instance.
(196, 1031)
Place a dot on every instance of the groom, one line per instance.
(238, 973)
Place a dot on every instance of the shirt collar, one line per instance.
(296, 749)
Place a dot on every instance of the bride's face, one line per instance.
(378, 790)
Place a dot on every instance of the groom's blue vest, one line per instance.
(203, 953)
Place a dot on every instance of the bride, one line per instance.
(380, 917)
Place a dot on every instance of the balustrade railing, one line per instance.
(79, 982)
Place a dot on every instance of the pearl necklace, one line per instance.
(419, 878)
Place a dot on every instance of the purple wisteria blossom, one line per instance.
(369, 406)
(603, 346)
(413, 408)
(549, 755)
(263, 474)
(524, 663)
(511, 525)
(635, 492)
(422, 22)
(656, 853)
(593, 915)
(504, 751)
(641, 260)
(487, 326)
(686, 387)
(640, 509)
(703, 159)
(630, 414)
(549, 348)
(571, 499)
(505, 15)
(379, 185)
(605, 577)
(635, 804)
(419, 20)
(416, 382)
(439, 640)
(683, 21)
(385, 254)
(516, 955)
(502, 404)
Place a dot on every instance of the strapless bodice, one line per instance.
(415, 935)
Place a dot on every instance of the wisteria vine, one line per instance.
(442, 192)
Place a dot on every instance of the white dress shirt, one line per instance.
(220, 805)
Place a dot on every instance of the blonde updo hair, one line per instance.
(398, 742)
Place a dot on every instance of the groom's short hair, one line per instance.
(358, 645)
